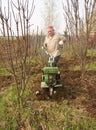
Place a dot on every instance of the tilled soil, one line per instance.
(79, 93)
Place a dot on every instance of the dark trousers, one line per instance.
(56, 59)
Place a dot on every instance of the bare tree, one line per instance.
(50, 13)
(79, 27)
(16, 49)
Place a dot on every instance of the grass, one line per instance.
(56, 116)
(91, 52)
(89, 66)
(49, 114)
(9, 108)
(3, 71)
(4, 98)
(4, 107)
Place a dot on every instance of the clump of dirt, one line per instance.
(90, 102)
(5, 80)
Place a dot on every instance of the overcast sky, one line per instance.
(37, 18)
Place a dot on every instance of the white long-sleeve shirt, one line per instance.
(52, 44)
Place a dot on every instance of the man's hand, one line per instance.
(61, 42)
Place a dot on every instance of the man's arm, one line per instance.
(62, 38)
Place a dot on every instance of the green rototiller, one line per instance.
(50, 76)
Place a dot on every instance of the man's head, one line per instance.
(50, 31)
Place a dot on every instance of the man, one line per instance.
(52, 43)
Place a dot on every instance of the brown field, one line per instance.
(79, 93)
